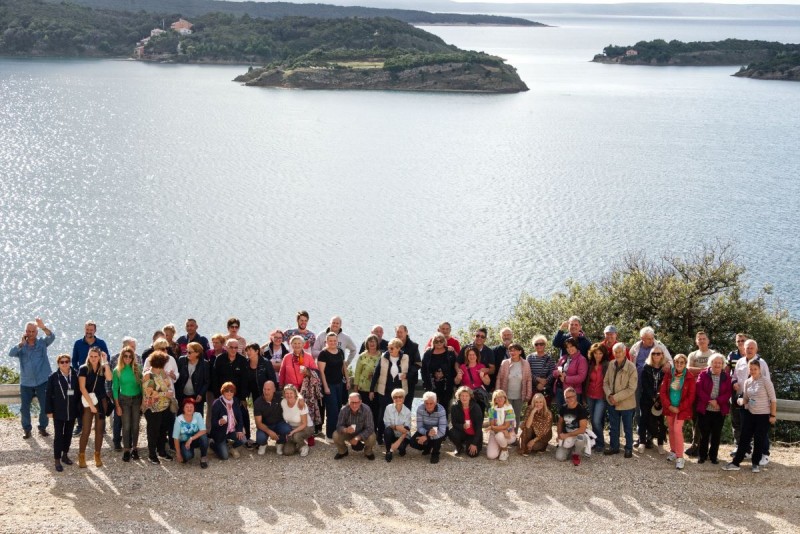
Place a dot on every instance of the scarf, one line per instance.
(231, 419)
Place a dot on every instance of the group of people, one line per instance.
(299, 381)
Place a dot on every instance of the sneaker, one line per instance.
(764, 460)
(576, 460)
(279, 449)
(609, 452)
(435, 458)
(679, 463)
(26, 434)
(641, 448)
(126, 456)
(340, 455)
(504, 456)
(628, 453)
(43, 432)
(730, 466)
(636, 443)
(756, 469)
(304, 451)
(77, 431)
(234, 452)
(388, 456)
(661, 450)
(262, 449)
(671, 457)
(154, 459)
(733, 453)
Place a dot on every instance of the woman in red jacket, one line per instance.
(677, 396)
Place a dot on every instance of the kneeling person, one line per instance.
(431, 427)
(397, 420)
(572, 423)
(189, 433)
(295, 413)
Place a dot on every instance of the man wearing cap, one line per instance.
(610, 339)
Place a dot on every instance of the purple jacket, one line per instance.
(576, 373)
(702, 392)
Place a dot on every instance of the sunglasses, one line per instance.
(63, 362)
(540, 344)
(657, 353)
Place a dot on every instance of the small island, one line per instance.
(759, 59)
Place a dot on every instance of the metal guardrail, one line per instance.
(9, 394)
(788, 410)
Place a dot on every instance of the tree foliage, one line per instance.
(736, 51)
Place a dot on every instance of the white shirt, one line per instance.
(171, 365)
(742, 371)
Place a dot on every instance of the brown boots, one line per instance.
(82, 459)
(97, 461)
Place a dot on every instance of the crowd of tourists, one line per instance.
(196, 395)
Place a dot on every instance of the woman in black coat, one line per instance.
(466, 435)
(200, 377)
(61, 405)
(227, 406)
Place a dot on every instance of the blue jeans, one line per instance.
(188, 452)
(221, 447)
(597, 413)
(614, 416)
(333, 403)
(282, 428)
(27, 393)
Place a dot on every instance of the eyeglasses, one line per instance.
(401, 397)
(63, 362)
(539, 344)
(570, 396)
(233, 327)
(128, 356)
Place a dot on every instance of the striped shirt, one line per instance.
(758, 394)
(541, 367)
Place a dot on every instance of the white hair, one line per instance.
(429, 395)
(506, 329)
(575, 318)
(716, 356)
(751, 342)
(618, 346)
(647, 330)
(128, 339)
(30, 323)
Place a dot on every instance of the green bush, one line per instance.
(8, 375)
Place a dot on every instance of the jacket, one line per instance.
(650, 385)
(381, 375)
(583, 343)
(622, 384)
(234, 371)
(634, 353)
(475, 414)
(201, 378)
(431, 363)
(264, 373)
(414, 362)
(590, 367)
(218, 409)
(576, 373)
(702, 392)
(687, 396)
(64, 407)
(502, 378)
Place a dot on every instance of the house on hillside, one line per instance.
(631, 52)
(155, 32)
(182, 26)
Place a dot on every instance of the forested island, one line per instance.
(759, 59)
(333, 53)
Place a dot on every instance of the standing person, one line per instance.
(158, 334)
(126, 389)
(445, 329)
(301, 428)
(570, 371)
(233, 331)
(677, 396)
(431, 427)
(80, 351)
(638, 355)
(190, 433)
(226, 419)
(733, 357)
(485, 354)
(620, 385)
(572, 422)
(414, 361)
(571, 328)
(383, 345)
(761, 404)
(192, 337)
(697, 363)
(127, 341)
(259, 371)
(92, 377)
(335, 379)
(741, 372)
(542, 367)
(276, 349)
(391, 372)
(172, 346)
(466, 417)
(474, 375)
(502, 427)
(501, 351)
(157, 390)
(438, 369)
(34, 373)
(609, 340)
(595, 395)
(61, 404)
(354, 428)
(397, 424)
(270, 423)
(217, 350)
(194, 377)
(308, 337)
(233, 368)
(515, 379)
(300, 370)
(171, 370)
(712, 402)
(365, 369)
(343, 341)
(652, 417)
(537, 429)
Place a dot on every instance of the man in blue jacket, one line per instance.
(34, 371)
(80, 351)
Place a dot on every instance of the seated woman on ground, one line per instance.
(537, 430)
(189, 433)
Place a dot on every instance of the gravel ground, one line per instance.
(277, 494)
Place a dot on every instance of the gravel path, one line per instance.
(277, 494)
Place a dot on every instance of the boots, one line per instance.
(81, 459)
(97, 461)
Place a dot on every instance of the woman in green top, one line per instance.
(127, 390)
(362, 378)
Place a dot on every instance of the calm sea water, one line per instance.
(140, 194)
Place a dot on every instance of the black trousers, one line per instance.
(710, 426)
(157, 424)
(432, 445)
(461, 439)
(62, 437)
(389, 438)
(755, 427)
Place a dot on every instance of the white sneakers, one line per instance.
(764, 461)
(641, 448)
(730, 466)
(279, 449)
(679, 463)
(262, 449)
(304, 450)
(671, 457)
(504, 456)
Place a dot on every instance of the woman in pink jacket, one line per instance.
(515, 379)
(570, 372)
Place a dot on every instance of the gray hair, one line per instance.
(751, 342)
(127, 340)
(506, 329)
(429, 395)
(647, 330)
(618, 346)
(574, 318)
(30, 323)
(716, 356)
(354, 395)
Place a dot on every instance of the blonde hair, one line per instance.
(498, 393)
(137, 373)
(160, 344)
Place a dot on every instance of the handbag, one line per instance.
(92, 395)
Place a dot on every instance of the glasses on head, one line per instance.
(539, 344)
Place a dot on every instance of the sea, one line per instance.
(137, 194)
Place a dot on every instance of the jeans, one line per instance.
(281, 428)
(614, 417)
(581, 446)
(116, 426)
(333, 402)
(597, 413)
(188, 452)
(128, 422)
(26, 394)
(221, 447)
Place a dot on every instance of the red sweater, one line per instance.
(685, 408)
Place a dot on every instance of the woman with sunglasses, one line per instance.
(439, 369)
(542, 367)
(61, 405)
(677, 396)
(651, 425)
(126, 388)
(92, 378)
